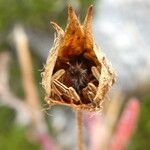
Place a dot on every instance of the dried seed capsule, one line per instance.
(77, 74)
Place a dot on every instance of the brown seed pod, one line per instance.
(77, 73)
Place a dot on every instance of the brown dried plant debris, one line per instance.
(77, 73)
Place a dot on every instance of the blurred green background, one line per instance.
(36, 14)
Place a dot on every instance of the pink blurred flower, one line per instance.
(125, 126)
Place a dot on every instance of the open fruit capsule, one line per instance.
(77, 73)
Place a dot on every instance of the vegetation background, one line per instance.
(36, 14)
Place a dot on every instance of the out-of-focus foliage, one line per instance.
(15, 79)
(30, 12)
(142, 134)
(12, 137)
(33, 13)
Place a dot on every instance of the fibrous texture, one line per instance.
(77, 73)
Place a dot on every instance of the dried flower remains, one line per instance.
(77, 73)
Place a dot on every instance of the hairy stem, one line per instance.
(79, 118)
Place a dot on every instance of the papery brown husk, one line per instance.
(78, 38)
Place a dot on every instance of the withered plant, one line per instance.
(77, 73)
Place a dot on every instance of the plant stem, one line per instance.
(79, 118)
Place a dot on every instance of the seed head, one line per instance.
(77, 73)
